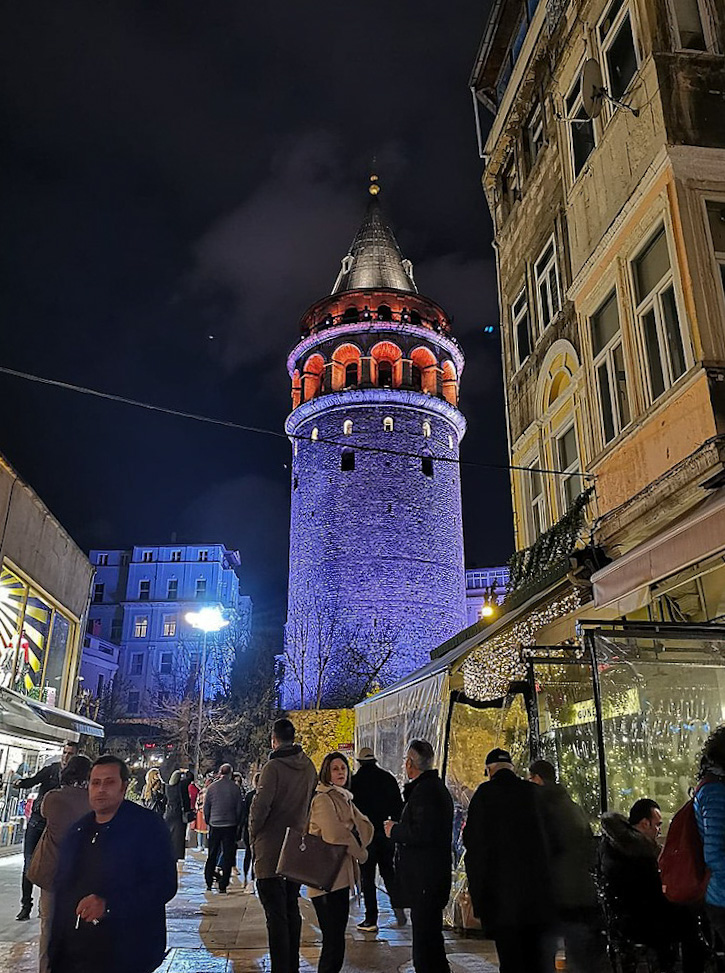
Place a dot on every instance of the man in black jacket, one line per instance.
(49, 779)
(377, 795)
(572, 848)
(507, 863)
(423, 839)
(223, 809)
(116, 872)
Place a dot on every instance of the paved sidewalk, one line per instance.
(213, 933)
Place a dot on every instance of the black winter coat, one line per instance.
(376, 794)
(130, 864)
(628, 864)
(572, 848)
(507, 855)
(423, 840)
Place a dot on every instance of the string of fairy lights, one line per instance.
(262, 431)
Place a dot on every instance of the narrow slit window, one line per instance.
(347, 461)
(426, 465)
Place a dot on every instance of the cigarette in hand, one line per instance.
(78, 922)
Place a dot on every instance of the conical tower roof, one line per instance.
(374, 259)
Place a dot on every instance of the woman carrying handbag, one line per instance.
(335, 819)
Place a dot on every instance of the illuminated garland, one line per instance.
(492, 666)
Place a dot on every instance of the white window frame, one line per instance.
(203, 555)
(147, 557)
(534, 134)
(144, 581)
(347, 427)
(426, 429)
(140, 626)
(606, 43)
(543, 275)
(571, 113)
(606, 357)
(718, 256)
(314, 435)
(536, 508)
(169, 626)
(388, 424)
(176, 585)
(573, 469)
(198, 593)
(703, 9)
(170, 670)
(176, 556)
(99, 588)
(516, 318)
(653, 300)
(102, 560)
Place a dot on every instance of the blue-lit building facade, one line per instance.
(376, 576)
(139, 601)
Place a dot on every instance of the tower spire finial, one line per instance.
(374, 187)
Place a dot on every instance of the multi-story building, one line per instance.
(607, 191)
(44, 590)
(376, 538)
(139, 602)
(485, 592)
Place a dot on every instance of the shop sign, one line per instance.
(624, 703)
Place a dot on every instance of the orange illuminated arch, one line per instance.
(296, 388)
(424, 360)
(389, 353)
(345, 366)
(450, 382)
(312, 376)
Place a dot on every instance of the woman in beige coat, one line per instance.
(334, 817)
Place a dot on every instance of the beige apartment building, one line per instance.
(610, 246)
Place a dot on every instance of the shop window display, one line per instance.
(34, 637)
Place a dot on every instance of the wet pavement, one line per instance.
(213, 933)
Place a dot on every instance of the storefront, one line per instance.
(32, 735)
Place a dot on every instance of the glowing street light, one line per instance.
(207, 619)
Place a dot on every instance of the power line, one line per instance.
(259, 430)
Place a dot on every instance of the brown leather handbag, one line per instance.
(307, 859)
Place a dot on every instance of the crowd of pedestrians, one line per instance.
(538, 879)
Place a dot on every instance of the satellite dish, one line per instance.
(592, 88)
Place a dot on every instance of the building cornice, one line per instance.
(363, 398)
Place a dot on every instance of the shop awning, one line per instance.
(30, 718)
(699, 535)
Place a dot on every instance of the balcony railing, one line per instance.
(547, 560)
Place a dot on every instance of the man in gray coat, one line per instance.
(282, 801)
(223, 809)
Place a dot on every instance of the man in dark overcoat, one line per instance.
(423, 860)
(116, 872)
(508, 868)
(377, 795)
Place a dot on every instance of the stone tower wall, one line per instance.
(376, 553)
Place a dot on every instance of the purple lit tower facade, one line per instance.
(376, 577)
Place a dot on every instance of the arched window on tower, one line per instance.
(426, 429)
(388, 424)
(417, 378)
(385, 313)
(315, 433)
(385, 375)
(347, 461)
(351, 375)
(347, 427)
(350, 315)
(415, 318)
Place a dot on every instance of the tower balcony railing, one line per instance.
(380, 315)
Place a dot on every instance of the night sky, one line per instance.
(174, 170)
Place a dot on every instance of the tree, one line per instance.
(330, 661)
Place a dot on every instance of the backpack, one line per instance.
(682, 861)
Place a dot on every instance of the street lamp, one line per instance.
(207, 620)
